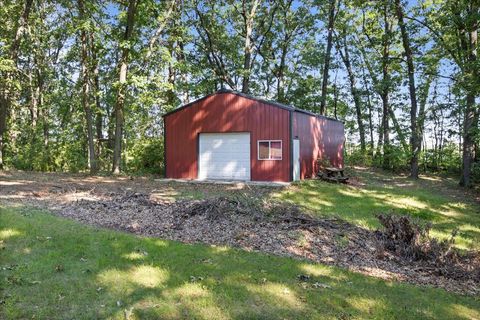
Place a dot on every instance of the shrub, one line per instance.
(146, 156)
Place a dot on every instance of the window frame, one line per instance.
(269, 150)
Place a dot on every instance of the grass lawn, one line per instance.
(53, 268)
(434, 199)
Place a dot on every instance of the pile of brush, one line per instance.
(408, 239)
(288, 215)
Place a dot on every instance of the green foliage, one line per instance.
(146, 156)
(395, 158)
(476, 173)
(182, 51)
(356, 157)
(71, 156)
(446, 159)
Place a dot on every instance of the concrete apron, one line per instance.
(236, 183)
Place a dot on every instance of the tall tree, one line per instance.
(248, 15)
(415, 137)
(454, 25)
(345, 55)
(122, 80)
(85, 79)
(6, 84)
(386, 84)
(469, 42)
(332, 9)
(379, 37)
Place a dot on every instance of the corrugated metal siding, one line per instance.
(319, 139)
(227, 112)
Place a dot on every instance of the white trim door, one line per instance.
(224, 156)
(296, 159)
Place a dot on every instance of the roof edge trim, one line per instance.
(250, 97)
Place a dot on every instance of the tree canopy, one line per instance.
(84, 83)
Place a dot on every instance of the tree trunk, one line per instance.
(354, 91)
(85, 78)
(468, 152)
(183, 74)
(4, 106)
(247, 63)
(281, 75)
(370, 115)
(385, 92)
(326, 65)
(96, 89)
(5, 83)
(385, 131)
(415, 140)
(120, 100)
(471, 112)
(398, 129)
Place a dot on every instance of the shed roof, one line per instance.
(248, 96)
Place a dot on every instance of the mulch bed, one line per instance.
(276, 228)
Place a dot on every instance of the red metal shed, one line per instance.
(231, 135)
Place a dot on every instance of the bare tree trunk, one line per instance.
(248, 19)
(326, 65)
(415, 137)
(96, 89)
(370, 116)
(436, 136)
(354, 91)
(385, 131)
(33, 103)
(85, 76)
(183, 75)
(5, 84)
(120, 101)
(335, 96)
(471, 112)
(398, 130)
(281, 75)
(468, 151)
(98, 109)
(172, 76)
(385, 92)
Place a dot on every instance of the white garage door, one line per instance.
(224, 156)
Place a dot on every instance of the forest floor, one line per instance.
(336, 229)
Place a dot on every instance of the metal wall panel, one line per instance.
(227, 112)
(320, 138)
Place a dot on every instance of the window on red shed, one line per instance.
(269, 150)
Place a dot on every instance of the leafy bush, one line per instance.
(70, 156)
(146, 156)
(447, 159)
(358, 158)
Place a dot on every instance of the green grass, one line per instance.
(432, 199)
(53, 268)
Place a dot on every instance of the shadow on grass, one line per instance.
(359, 205)
(55, 268)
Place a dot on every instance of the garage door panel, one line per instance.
(224, 156)
(221, 157)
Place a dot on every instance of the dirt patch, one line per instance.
(242, 218)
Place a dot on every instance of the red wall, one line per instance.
(226, 112)
(319, 138)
